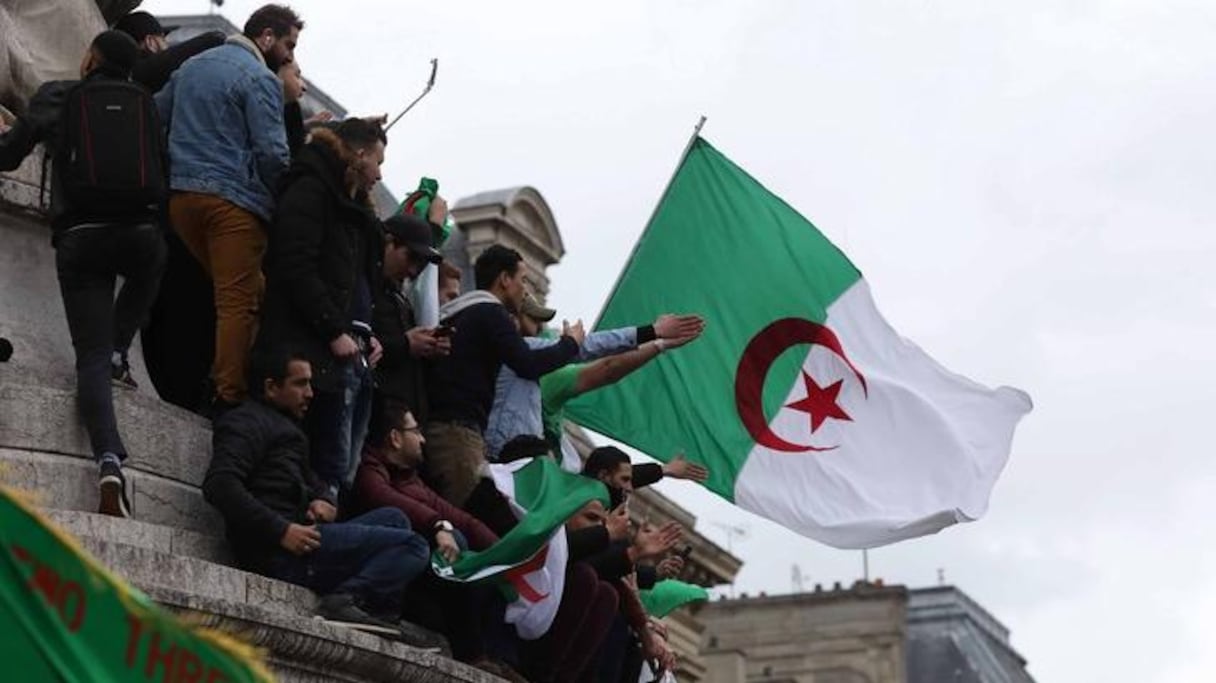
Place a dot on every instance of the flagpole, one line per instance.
(696, 131)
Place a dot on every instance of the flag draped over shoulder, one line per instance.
(807, 407)
(65, 618)
(531, 558)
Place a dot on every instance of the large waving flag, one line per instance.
(805, 405)
(63, 617)
(531, 559)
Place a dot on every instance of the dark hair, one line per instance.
(448, 271)
(524, 446)
(388, 413)
(493, 262)
(360, 133)
(604, 459)
(278, 18)
(118, 52)
(271, 364)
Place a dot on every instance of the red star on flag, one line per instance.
(820, 402)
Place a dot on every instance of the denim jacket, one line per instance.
(517, 408)
(224, 112)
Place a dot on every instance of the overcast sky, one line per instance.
(1027, 186)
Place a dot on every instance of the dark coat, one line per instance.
(259, 479)
(460, 386)
(399, 374)
(321, 241)
(153, 70)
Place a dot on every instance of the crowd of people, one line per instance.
(350, 443)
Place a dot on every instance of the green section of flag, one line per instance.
(550, 496)
(723, 246)
(63, 617)
(670, 594)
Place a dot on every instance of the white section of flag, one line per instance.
(533, 619)
(923, 450)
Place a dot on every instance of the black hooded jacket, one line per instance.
(321, 242)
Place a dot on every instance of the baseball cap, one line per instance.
(535, 311)
(415, 234)
(140, 25)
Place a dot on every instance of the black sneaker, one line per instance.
(341, 609)
(113, 487)
(120, 376)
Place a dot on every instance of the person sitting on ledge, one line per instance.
(280, 519)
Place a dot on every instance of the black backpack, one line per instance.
(111, 158)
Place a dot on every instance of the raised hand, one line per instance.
(618, 523)
(670, 326)
(670, 567)
(574, 331)
(681, 468)
(654, 541)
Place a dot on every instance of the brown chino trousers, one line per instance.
(229, 242)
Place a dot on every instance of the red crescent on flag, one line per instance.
(761, 352)
(515, 576)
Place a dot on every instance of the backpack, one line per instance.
(111, 156)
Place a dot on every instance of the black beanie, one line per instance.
(118, 51)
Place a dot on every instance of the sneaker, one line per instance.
(120, 375)
(113, 487)
(340, 609)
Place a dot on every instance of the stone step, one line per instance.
(69, 482)
(158, 558)
(38, 413)
(165, 539)
(302, 650)
(267, 613)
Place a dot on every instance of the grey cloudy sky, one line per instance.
(1027, 186)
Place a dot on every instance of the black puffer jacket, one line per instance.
(259, 479)
(320, 242)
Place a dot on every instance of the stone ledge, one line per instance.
(37, 414)
(165, 539)
(69, 482)
(304, 650)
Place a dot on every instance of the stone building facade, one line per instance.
(869, 633)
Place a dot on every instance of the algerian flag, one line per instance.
(64, 617)
(531, 558)
(805, 405)
(670, 594)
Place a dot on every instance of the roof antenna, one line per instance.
(430, 83)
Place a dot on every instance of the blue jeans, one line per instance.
(336, 424)
(373, 557)
(356, 415)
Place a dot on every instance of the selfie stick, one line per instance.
(430, 83)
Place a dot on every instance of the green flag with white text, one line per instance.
(64, 617)
(805, 405)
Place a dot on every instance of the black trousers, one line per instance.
(89, 259)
